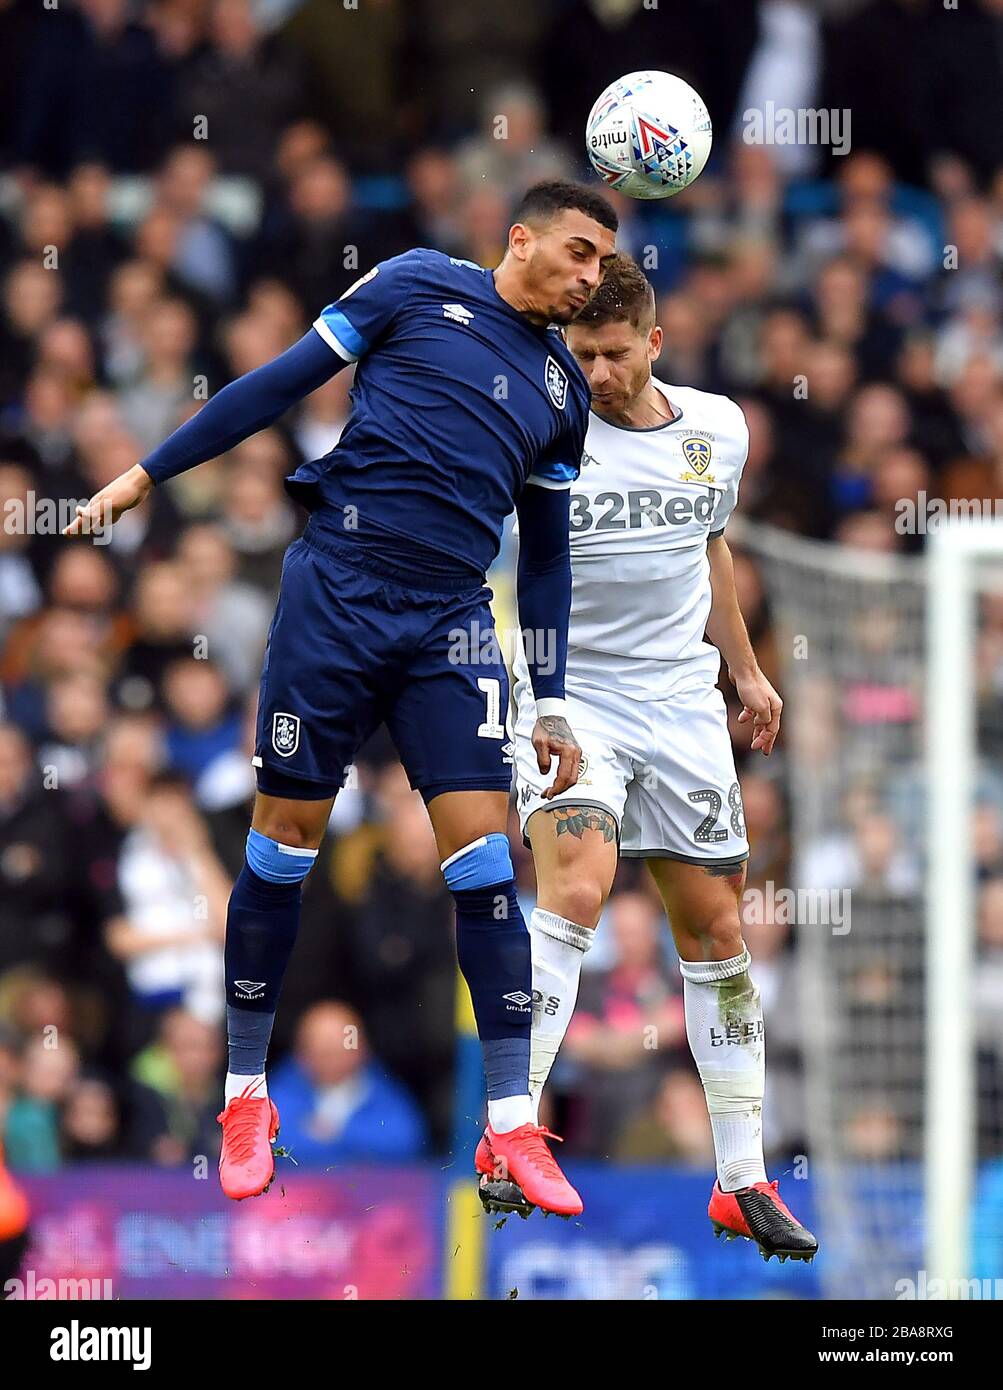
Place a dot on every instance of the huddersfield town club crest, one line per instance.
(557, 383)
(697, 454)
(285, 734)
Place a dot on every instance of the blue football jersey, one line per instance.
(458, 402)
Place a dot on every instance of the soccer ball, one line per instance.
(649, 135)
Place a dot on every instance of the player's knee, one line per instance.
(289, 832)
(576, 897)
(298, 825)
(720, 934)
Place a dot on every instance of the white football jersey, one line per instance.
(642, 510)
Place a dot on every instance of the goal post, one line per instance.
(892, 674)
(955, 551)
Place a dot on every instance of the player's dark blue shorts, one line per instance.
(354, 643)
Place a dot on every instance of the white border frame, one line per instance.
(950, 1155)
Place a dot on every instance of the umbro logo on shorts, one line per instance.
(519, 998)
(285, 733)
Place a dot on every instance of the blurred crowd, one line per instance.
(184, 184)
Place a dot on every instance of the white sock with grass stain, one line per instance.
(724, 1025)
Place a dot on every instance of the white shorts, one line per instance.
(663, 768)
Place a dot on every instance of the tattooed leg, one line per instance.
(575, 851)
(575, 820)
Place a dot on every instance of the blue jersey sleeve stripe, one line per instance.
(556, 470)
(321, 328)
(339, 334)
(554, 484)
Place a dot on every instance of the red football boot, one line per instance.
(758, 1213)
(498, 1194)
(483, 1162)
(246, 1162)
(522, 1160)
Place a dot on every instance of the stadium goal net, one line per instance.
(893, 682)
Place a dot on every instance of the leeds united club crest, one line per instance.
(697, 454)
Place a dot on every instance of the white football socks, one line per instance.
(511, 1112)
(558, 948)
(236, 1086)
(724, 1025)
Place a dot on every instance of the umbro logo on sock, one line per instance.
(250, 989)
(518, 997)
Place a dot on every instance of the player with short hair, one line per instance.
(466, 404)
(651, 573)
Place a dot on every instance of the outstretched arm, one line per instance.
(544, 594)
(247, 405)
(726, 629)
